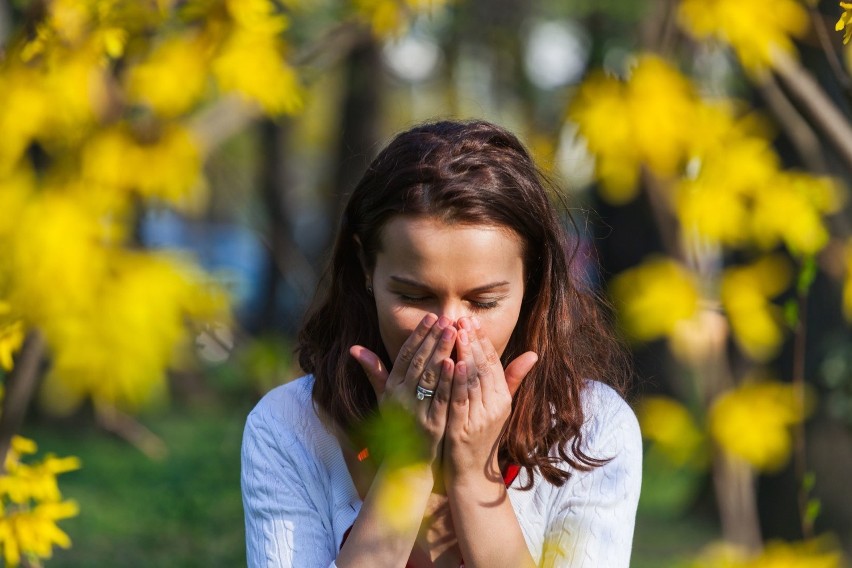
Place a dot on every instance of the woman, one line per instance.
(449, 295)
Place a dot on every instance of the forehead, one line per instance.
(428, 244)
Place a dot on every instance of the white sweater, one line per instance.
(299, 498)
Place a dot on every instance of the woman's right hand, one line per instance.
(424, 359)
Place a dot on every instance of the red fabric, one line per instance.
(420, 558)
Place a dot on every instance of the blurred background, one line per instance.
(172, 172)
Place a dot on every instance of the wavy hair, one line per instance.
(473, 173)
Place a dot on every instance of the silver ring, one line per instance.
(424, 393)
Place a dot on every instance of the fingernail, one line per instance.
(430, 319)
(463, 336)
(443, 322)
(461, 367)
(448, 334)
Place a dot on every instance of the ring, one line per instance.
(424, 393)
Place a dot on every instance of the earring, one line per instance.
(369, 288)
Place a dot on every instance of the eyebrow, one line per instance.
(484, 288)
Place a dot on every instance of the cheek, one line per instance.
(395, 326)
(499, 328)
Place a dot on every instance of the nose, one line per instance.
(453, 311)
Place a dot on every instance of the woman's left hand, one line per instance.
(480, 404)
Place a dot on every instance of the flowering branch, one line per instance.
(20, 387)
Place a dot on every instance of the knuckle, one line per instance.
(418, 361)
(492, 358)
(429, 377)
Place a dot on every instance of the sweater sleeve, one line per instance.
(287, 524)
(593, 515)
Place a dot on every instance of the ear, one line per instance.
(362, 257)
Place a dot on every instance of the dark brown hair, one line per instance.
(472, 173)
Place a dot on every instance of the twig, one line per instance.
(131, 430)
(797, 128)
(825, 114)
(20, 387)
(830, 51)
(800, 456)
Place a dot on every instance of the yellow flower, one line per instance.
(35, 531)
(845, 22)
(598, 101)
(11, 339)
(118, 352)
(672, 428)
(173, 78)
(752, 30)
(252, 65)
(645, 121)
(717, 202)
(746, 294)
(654, 297)
(390, 17)
(790, 209)
(168, 168)
(752, 422)
(57, 242)
(395, 501)
(30, 504)
(847, 283)
(817, 553)
(24, 110)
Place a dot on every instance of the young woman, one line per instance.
(449, 295)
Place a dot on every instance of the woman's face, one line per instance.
(425, 265)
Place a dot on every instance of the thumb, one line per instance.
(518, 369)
(373, 367)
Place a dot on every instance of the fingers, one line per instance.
(373, 367)
(518, 369)
(437, 411)
(410, 348)
(472, 379)
(425, 367)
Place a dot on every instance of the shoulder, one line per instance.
(286, 413)
(609, 420)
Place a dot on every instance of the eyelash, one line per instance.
(477, 306)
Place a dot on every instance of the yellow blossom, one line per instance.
(717, 202)
(35, 531)
(746, 293)
(847, 282)
(845, 21)
(817, 553)
(253, 66)
(56, 244)
(390, 17)
(791, 211)
(118, 352)
(653, 297)
(168, 168)
(645, 121)
(24, 110)
(598, 109)
(752, 30)
(173, 78)
(395, 501)
(11, 339)
(752, 422)
(669, 425)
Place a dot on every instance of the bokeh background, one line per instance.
(171, 173)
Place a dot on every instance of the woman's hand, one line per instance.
(481, 401)
(424, 360)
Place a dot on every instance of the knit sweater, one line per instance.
(299, 498)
